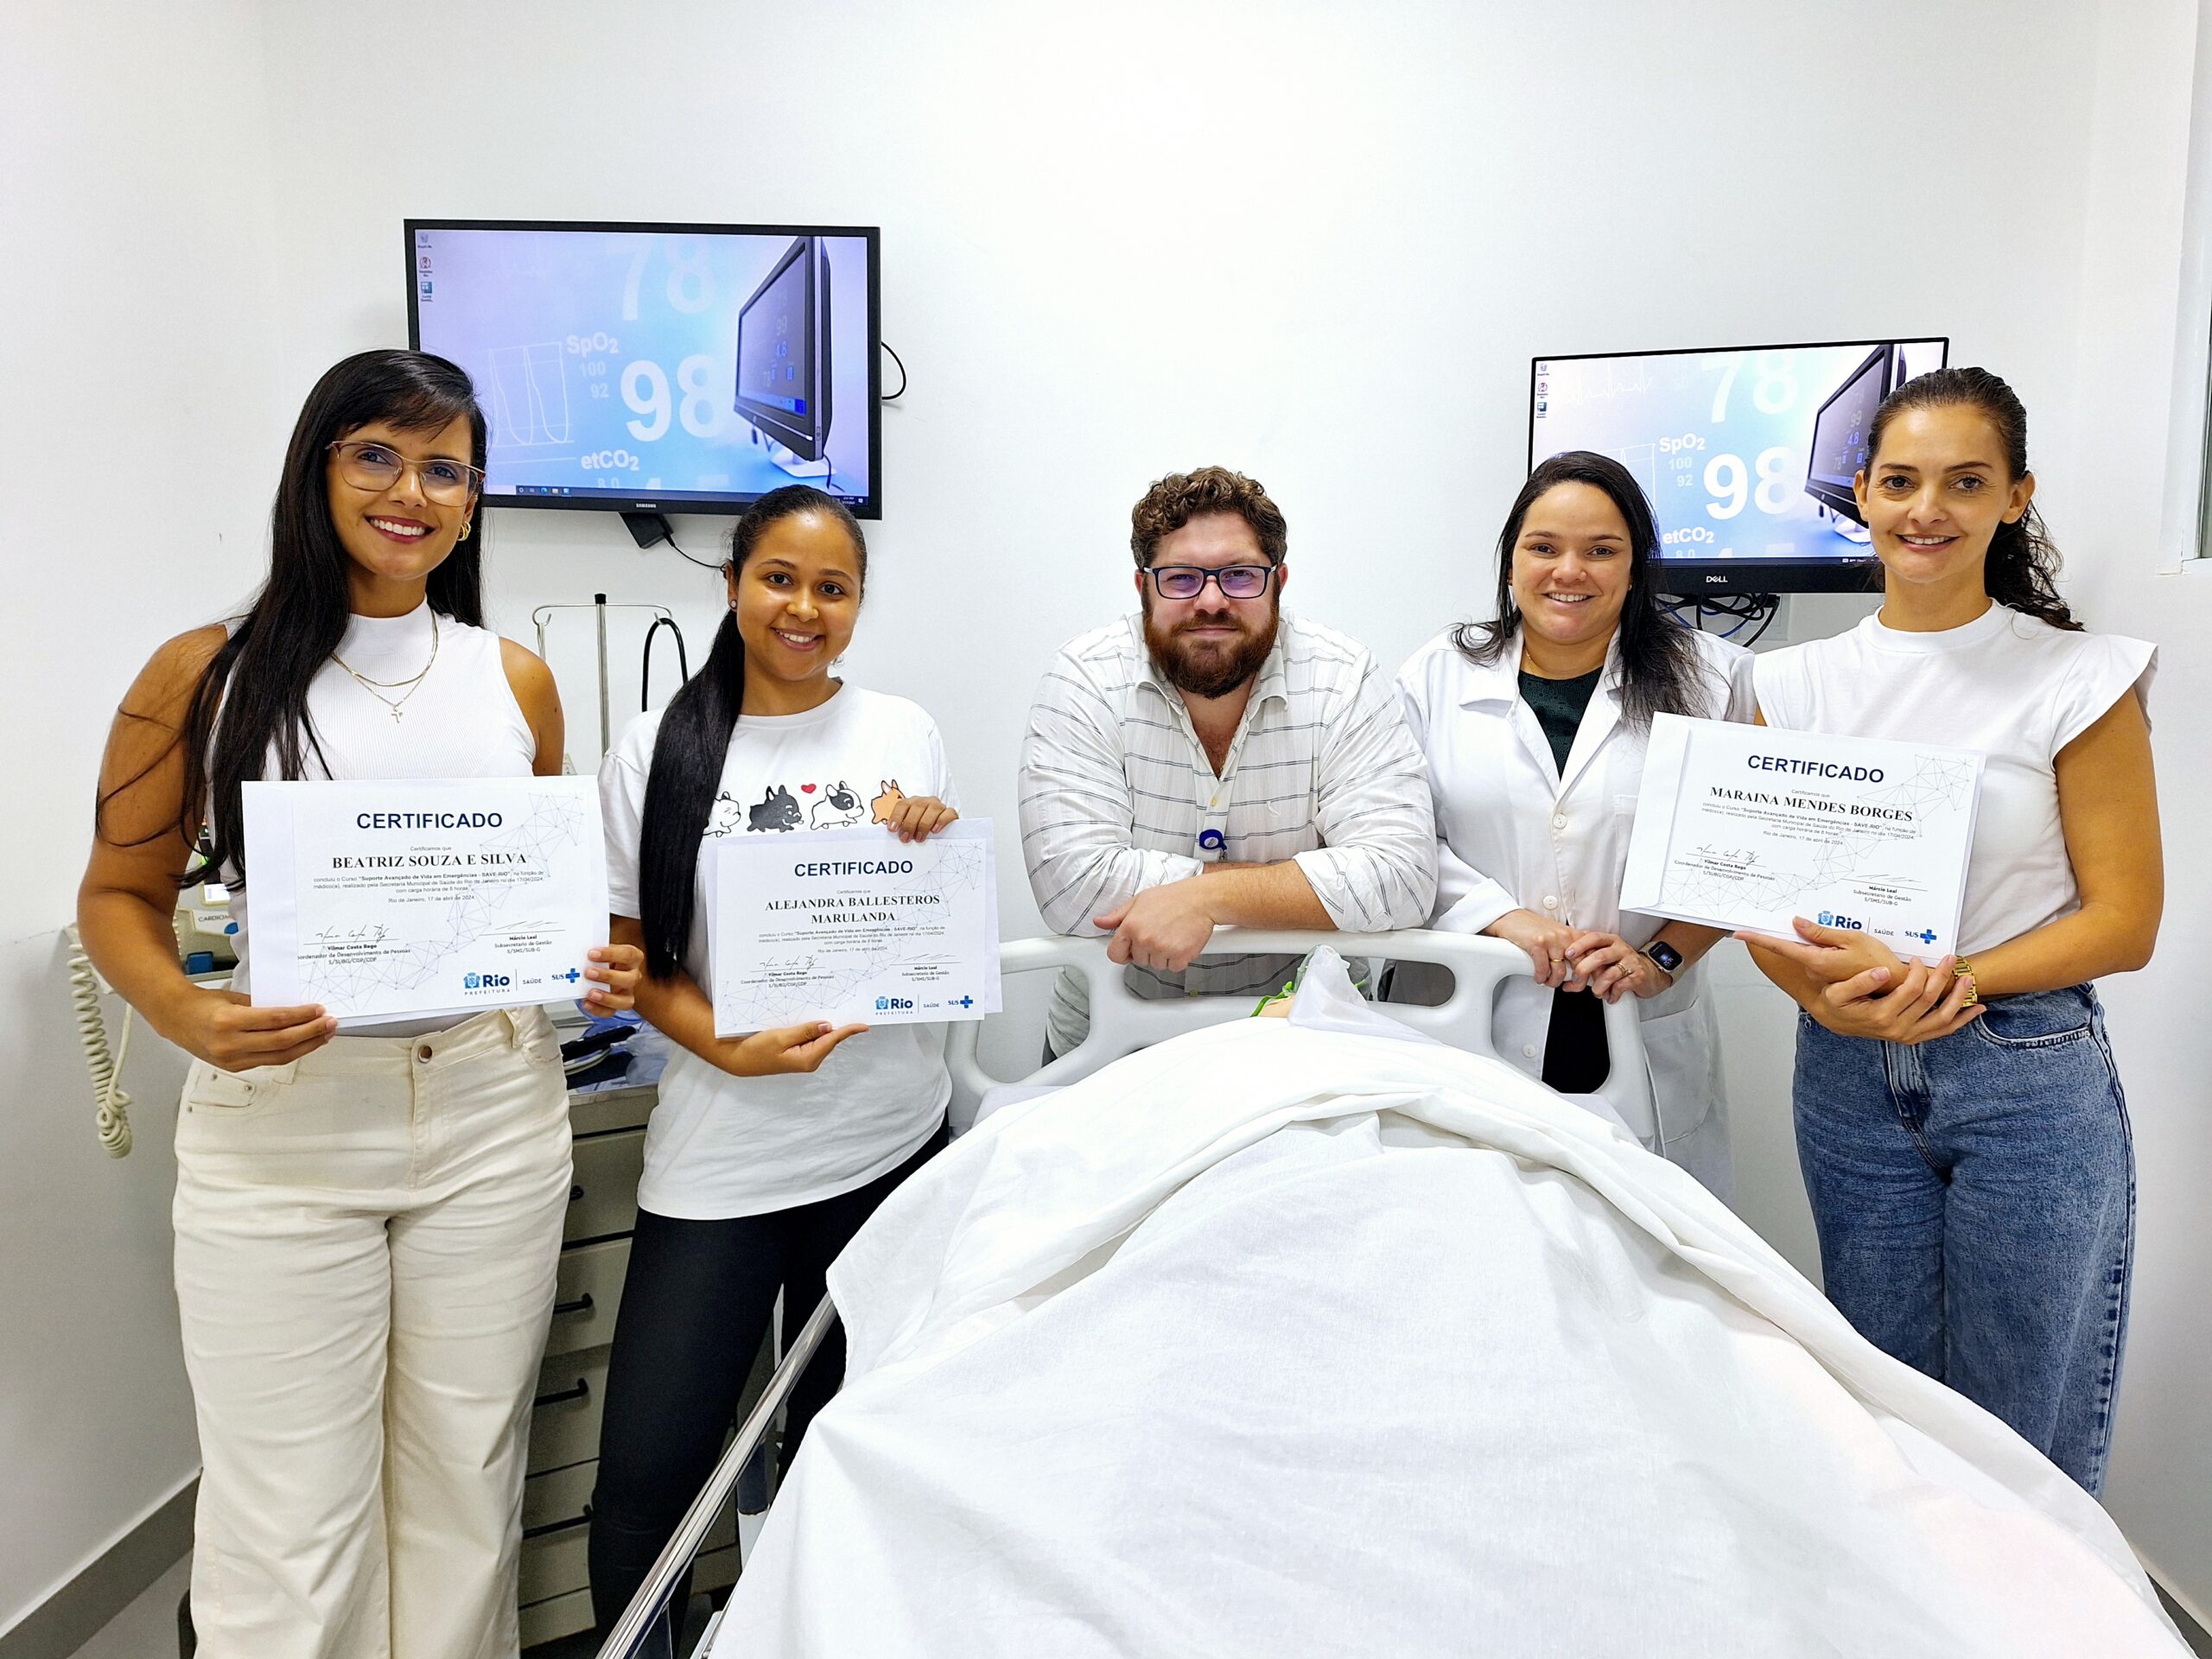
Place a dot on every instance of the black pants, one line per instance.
(1576, 1058)
(695, 1307)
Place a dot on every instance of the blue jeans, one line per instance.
(1975, 1201)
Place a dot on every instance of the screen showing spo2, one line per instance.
(1746, 453)
(696, 368)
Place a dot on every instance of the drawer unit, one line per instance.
(565, 1415)
(557, 1497)
(603, 1193)
(557, 1560)
(587, 1295)
(565, 1614)
(554, 1591)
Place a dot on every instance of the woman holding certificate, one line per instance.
(766, 1153)
(1533, 727)
(366, 1226)
(1960, 1126)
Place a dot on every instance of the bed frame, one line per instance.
(1121, 1024)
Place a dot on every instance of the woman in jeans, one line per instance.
(1961, 1125)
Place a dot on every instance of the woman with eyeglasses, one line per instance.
(366, 1226)
(766, 1153)
(1534, 726)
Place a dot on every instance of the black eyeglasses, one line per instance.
(369, 466)
(1189, 581)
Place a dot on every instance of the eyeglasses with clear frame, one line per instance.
(1189, 581)
(370, 466)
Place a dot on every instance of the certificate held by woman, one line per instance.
(1748, 827)
(385, 900)
(854, 925)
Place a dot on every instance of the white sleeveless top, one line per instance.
(461, 721)
(2007, 683)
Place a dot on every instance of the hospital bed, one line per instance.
(1122, 1024)
(1337, 1335)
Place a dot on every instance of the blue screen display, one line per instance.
(1726, 442)
(623, 364)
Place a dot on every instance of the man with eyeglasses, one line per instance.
(1211, 761)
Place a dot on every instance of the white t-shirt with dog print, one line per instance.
(718, 1146)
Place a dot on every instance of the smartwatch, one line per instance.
(1669, 958)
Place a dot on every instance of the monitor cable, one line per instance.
(702, 563)
(894, 397)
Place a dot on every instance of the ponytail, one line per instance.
(688, 754)
(693, 744)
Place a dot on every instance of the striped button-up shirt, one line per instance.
(1116, 791)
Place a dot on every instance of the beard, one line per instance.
(1212, 667)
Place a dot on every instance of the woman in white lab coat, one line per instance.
(1533, 727)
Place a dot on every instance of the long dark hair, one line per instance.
(2022, 570)
(693, 742)
(258, 681)
(1661, 669)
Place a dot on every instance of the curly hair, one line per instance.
(2022, 570)
(1176, 500)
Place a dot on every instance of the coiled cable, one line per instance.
(111, 1105)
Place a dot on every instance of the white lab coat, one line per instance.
(1515, 833)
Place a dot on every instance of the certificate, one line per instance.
(1747, 827)
(392, 899)
(854, 926)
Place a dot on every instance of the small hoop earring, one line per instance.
(466, 526)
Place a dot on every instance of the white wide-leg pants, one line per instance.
(365, 1245)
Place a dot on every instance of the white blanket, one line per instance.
(1273, 1340)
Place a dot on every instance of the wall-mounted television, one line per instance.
(651, 368)
(1746, 452)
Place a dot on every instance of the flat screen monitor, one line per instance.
(1746, 452)
(659, 368)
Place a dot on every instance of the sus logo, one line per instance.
(887, 802)
(728, 817)
(776, 810)
(840, 809)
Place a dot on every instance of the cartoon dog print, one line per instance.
(727, 817)
(887, 802)
(776, 810)
(838, 810)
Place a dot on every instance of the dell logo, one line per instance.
(1712, 580)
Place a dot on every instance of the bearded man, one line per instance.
(1211, 761)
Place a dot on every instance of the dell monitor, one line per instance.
(1746, 452)
(657, 368)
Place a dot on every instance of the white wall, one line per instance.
(1317, 243)
(139, 438)
(2105, 506)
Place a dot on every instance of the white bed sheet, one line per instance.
(1273, 1340)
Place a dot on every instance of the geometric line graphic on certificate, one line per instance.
(345, 961)
(798, 985)
(1934, 782)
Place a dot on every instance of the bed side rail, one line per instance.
(631, 1632)
(1122, 1022)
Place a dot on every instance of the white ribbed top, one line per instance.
(462, 722)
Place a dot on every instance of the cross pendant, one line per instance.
(395, 716)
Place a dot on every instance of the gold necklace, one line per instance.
(377, 688)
